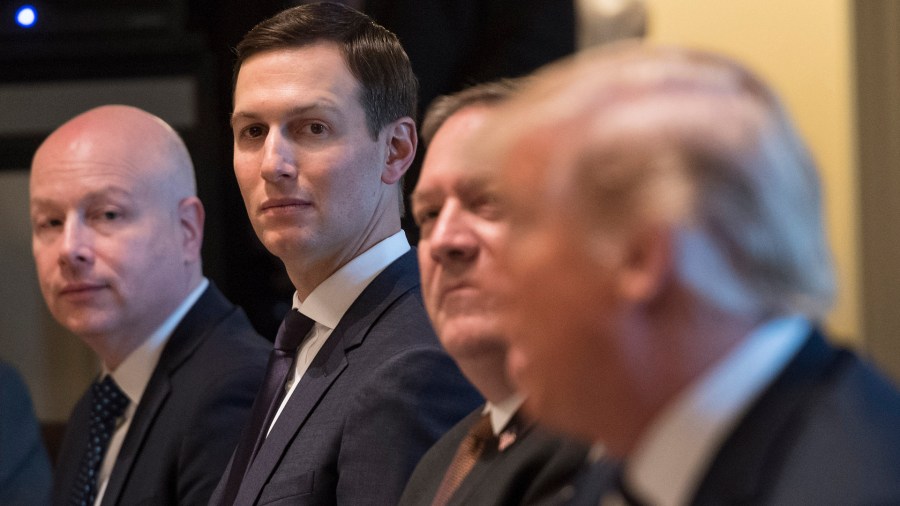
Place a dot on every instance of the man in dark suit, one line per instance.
(117, 231)
(668, 271)
(454, 205)
(323, 133)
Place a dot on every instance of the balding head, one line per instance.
(117, 226)
(129, 137)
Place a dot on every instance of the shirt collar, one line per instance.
(676, 450)
(332, 298)
(503, 411)
(134, 372)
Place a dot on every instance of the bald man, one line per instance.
(116, 234)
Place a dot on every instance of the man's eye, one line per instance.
(425, 216)
(317, 128)
(49, 223)
(253, 132)
(111, 215)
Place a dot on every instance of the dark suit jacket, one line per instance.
(375, 398)
(825, 432)
(189, 417)
(24, 467)
(532, 470)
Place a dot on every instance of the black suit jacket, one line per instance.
(189, 417)
(825, 432)
(375, 398)
(531, 470)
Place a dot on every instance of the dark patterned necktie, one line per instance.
(293, 331)
(108, 403)
(478, 439)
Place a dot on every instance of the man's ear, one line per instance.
(646, 263)
(191, 217)
(401, 139)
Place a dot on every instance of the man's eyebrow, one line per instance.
(100, 194)
(475, 184)
(240, 115)
(420, 195)
(294, 111)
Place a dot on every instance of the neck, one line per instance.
(113, 350)
(686, 338)
(487, 372)
(307, 270)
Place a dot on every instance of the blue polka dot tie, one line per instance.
(108, 403)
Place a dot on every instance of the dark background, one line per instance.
(451, 43)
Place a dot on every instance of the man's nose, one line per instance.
(77, 243)
(452, 238)
(278, 162)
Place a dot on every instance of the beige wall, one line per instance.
(804, 49)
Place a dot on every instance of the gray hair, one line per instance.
(444, 106)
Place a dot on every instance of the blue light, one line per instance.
(26, 16)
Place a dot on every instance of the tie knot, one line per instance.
(109, 402)
(481, 433)
(294, 329)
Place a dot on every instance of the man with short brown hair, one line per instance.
(358, 386)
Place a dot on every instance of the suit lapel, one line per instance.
(152, 400)
(184, 341)
(331, 360)
(742, 469)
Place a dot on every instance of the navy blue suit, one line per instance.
(825, 432)
(377, 395)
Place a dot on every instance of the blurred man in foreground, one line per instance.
(669, 269)
(454, 204)
(116, 233)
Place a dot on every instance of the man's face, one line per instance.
(108, 246)
(562, 311)
(461, 226)
(306, 163)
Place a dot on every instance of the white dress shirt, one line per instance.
(674, 453)
(132, 376)
(329, 301)
(502, 412)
